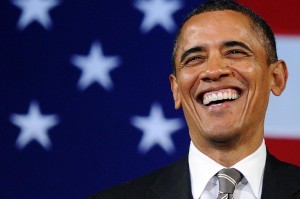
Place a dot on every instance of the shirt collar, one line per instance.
(203, 168)
(252, 167)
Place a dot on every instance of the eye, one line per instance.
(236, 54)
(194, 60)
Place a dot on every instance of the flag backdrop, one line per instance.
(85, 98)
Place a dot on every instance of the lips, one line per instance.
(219, 96)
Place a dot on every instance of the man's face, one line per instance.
(222, 78)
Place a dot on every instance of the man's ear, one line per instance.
(279, 77)
(175, 91)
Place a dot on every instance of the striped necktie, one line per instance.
(228, 179)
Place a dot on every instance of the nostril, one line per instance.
(214, 76)
(224, 75)
(206, 79)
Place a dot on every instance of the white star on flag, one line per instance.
(158, 12)
(35, 10)
(95, 67)
(34, 126)
(156, 130)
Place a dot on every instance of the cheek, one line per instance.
(258, 77)
(249, 74)
(255, 78)
(189, 79)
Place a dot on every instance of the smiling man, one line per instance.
(225, 68)
(223, 79)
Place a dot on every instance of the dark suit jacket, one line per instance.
(281, 181)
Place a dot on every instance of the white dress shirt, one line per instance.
(205, 184)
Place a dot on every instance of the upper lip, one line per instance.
(199, 95)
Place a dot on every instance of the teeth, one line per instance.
(225, 94)
(220, 95)
(214, 97)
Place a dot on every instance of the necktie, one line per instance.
(228, 179)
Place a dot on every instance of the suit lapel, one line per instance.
(175, 182)
(280, 180)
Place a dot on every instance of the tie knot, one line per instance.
(228, 179)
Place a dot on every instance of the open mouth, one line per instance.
(220, 96)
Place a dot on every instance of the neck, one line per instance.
(228, 153)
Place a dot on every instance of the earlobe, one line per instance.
(175, 91)
(279, 77)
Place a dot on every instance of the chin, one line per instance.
(222, 137)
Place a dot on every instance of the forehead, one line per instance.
(217, 26)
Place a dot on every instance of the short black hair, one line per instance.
(258, 23)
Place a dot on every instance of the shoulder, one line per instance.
(144, 186)
(282, 175)
(283, 169)
(288, 173)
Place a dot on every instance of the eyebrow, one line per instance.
(236, 43)
(201, 49)
(190, 51)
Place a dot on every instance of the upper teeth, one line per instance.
(219, 95)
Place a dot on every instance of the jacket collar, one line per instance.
(281, 180)
(174, 181)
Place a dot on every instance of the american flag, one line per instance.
(85, 97)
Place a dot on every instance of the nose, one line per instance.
(215, 69)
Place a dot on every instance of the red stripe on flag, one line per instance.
(285, 149)
(283, 16)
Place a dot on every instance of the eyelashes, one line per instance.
(234, 54)
(196, 59)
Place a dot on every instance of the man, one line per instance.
(225, 66)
